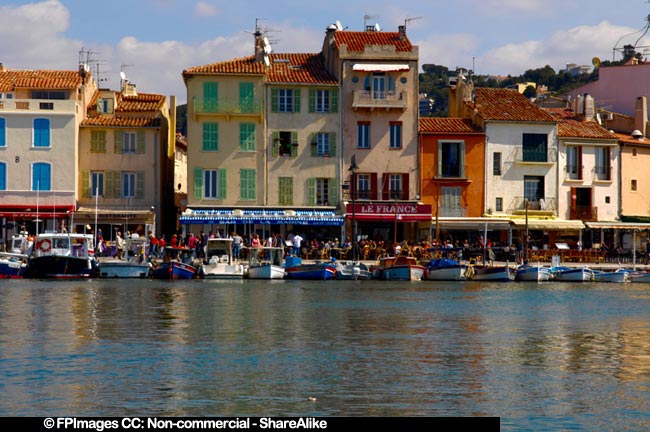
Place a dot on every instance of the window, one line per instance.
(209, 183)
(363, 186)
(323, 144)
(97, 184)
(451, 202)
(535, 147)
(128, 185)
(499, 204)
(128, 142)
(48, 94)
(635, 152)
(363, 135)
(633, 185)
(607, 200)
(395, 135)
(247, 97)
(247, 184)
(3, 132)
(603, 167)
(285, 100)
(574, 162)
(247, 137)
(451, 157)
(210, 136)
(285, 191)
(379, 85)
(41, 175)
(533, 188)
(3, 176)
(395, 186)
(98, 141)
(285, 143)
(323, 101)
(322, 191)
(496, 163)
(41, 132)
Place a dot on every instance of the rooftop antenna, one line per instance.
(644, 29)
(409, 19)
(123, 77)
(339, 26)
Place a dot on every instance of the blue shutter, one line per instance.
(3, 139)
(41, 132)
(3, 176)
(41, 176)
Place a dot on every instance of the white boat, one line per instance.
(639, 276)
(62, 256)
(134, 265)
(352, 270)
(533, 273)
(445, 269)
(573, 274)
(14, 262)
(491, 273)
(265, 263)
(220, 263)
(619, 276)
(398, 268)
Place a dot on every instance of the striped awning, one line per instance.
(282, 217)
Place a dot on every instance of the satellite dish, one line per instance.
(339, 26)
(267, 62)
(596, 62)
(377, 28)
(86, 67)
(122, 75)
(267, 46)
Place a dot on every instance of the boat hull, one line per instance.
(311, 272)
(174, 270)
(400, 272)
(223, 271)
(352, 271)
(120, 269)
(575, 275)
(59, 267)
(12, 268)
(533, 274)
(612, 276)
(640, 277)
(492, 274)
(266, 272)
(445, 274)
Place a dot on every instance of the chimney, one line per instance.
(641, 114)
(590, 110)
(2, 67)
(402, 32)
(259, 47)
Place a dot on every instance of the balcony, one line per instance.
(602, 173)
(453, 212)
(65, 106)
(584, 213)
(380, 100)
(535, 156)
(542, 206)
(228, 107)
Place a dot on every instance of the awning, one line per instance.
(366, 67)
(550, 224)
(472, 223)
(283, 217)
(87, 213)
(618, 225)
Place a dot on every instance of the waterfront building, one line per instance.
(125, 163)
(40, 114)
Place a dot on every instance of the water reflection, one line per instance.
(550, 356)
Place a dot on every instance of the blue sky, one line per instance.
(152, 41)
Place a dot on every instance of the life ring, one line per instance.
(44, 245)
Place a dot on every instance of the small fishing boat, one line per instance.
(491, 273)
(296, 269)
(134, 265)
(14, 262)
(444, 269)
(533, 273)
(178, 263)
(619, 276)
(572, 274)
(265, 263)
(352, 270)
(220, 263)
(62, 256)
(400, 267)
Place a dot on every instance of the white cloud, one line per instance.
(451, 50)
(203, 8)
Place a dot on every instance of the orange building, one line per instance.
(452, 166)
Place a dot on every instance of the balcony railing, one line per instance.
(546, 204)
(573, 172)
(584, 213)
(226, 106)
(370, 99)
(603, 173)
(453, 212)
(535, 156)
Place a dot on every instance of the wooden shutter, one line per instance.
(294, 144)
(117, 184)
(312, 100)
(119, 136)
(334, 100)
(139, 184)
(296, 100)
(85, 184)
(275, 143)
(275, 100)
(405, 186)
(141, 147)
(374, 187)
(311, 191)
(385, 184)
(108, 186)
(222, 184)
(313, 144)
(333, 191)
(579, 167)
(198, 183)
(332, 137)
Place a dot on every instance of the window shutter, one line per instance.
(332, 137)
(275, 100)
(313, 144)
(3, 142)
(85, 184)
(294, 144)
(117, 184)
(366, 83)
(333, 191)
(579, 168)
(405, 186)
(275, 143)
(385, 180)
(108, 187)
(139, 185)
(296, 100)
(198, 183)
(461, 158)
(222, 184)
(373, 186)
(118, 133)
(439, 159)
(141, 149)
(311, 191)
(334, 100)
(312, 100)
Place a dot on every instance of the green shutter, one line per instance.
(294, 144)
(296, 100)
(312, 100)
(141, 149)
(117, 184)
(313, 144)
(85, 184)
(118, 140)
(333, 192)
(210, 136)
(246, 97)
(334, 100)
(210, 96)
(275, 143)
(198, 183)
(311, 191)
(439, 159)
(285, 191)
(139, 184)
(461, 158)
(222, 184)
(275, 100)
(332, 136)
(108, 186)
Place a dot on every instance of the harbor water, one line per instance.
(549, 356)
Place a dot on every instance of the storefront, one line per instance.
(390, 222)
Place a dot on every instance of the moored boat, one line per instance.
(445, 269)
(178, 263)
(490, 273)
(398, 268)
(352, 270)
(533, 273)
(619, 276)
(220, 263)
(296, 269)
(62, 256)
(134, 265)
(265, 263)
(572, 274)
(12, 266)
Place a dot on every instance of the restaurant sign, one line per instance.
(404, 212)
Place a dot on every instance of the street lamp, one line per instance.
(354, 168)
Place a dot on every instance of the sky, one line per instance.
(153, 41)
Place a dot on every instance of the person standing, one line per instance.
(119, 240)
(236, 244)
(297, 241)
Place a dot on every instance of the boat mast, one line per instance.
(526, 234)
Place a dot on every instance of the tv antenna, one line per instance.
(409, 19)
(623, 50)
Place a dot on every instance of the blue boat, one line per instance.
(295, 269)
(178, 263)
(12, 266)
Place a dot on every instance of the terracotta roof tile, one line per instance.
(116, 121)
(283, 68)
(11, 80)
(626, 138)
(357, 41)
(447, 125)
(131, 111)
(143, 102)
(508, 105)
(570, 126)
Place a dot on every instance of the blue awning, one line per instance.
(284, 217)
